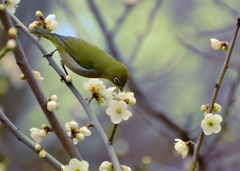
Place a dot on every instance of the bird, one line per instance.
(86, 59)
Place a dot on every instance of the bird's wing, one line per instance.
(82, 52)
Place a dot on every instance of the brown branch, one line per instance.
(26, 70)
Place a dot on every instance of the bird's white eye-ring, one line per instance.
(116, 81)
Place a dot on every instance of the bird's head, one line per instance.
(119, 76)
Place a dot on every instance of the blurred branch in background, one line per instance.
(144, 34)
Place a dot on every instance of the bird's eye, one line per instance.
(116, 81)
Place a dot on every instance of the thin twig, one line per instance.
(215, 93)
(25, 140)
(26, 70)
(113, 133)
(226, 112)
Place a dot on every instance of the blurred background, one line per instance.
(173, 70)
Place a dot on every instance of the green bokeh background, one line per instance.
(166, 46)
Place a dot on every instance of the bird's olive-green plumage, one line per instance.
(86, 59)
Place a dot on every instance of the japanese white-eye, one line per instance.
(86, 59)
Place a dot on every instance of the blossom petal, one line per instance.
(126, 115)
(217, 129)
(116, 119)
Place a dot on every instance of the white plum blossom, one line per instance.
(182, 147)
(51, 22)
(128, 97)
(12, 5)
(211, 123)
(37, 134)
(76, 165)
(117, 111)
(77, 134)
(98, 90)
(217, 45)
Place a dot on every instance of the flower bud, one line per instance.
(68, 78)
(11, 44)
(73, 125)
(22, 77)
(42, 153)
(52, 105)
(53, 98)
(12, 32)
(132, 101)
(43, 126)
(38, 147)
(31, 27)
(34, 24)
(147, 160)
(204, 108)
(39, 15)
(1, 7)
(217, 108)
(79, 136)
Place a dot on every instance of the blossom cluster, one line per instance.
(116, 102)
(49, 23)
(77, 134)
(38, 134)
(210, 124)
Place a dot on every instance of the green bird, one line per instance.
(86, 59)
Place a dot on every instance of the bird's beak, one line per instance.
(121, 89)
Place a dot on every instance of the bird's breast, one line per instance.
(74, 66)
